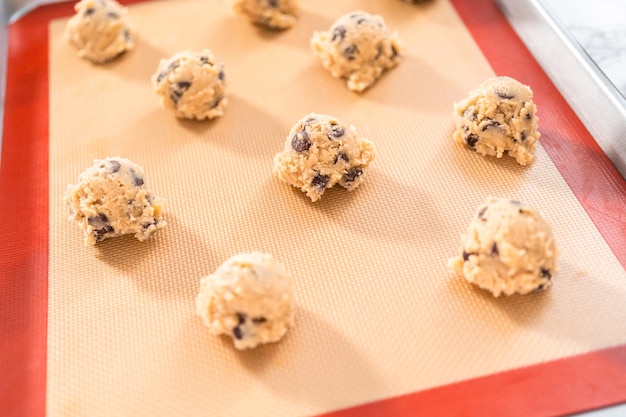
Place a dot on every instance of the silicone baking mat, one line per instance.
(381, 326)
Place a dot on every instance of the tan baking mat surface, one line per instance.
(378, 315)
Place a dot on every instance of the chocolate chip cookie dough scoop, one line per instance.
(111, 199)
(320, 152)
(99, 30)
(192, 85)
(359, 48)
(249, 298)
(508, 248)
(273, 14)
(499, 116)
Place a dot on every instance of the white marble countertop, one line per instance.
(600, 28)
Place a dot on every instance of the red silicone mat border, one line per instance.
(559, 387)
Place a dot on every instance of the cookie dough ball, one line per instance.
(99, 31)
(320, 152)
(498, 116)
(111, 199)
(508, 248)
(274, 14)
(359, 48)
(192, 84)
(249, 298)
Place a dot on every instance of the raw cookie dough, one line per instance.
(111, 200)
(358, 47)
(249, 298)
(274, 14)
(508, 248)
(498, 116)
(320, 152)
(99, 31)
(192, 84)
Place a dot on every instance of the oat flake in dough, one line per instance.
(359, 48)
(249, 298)
(111, 199)
(274, 14)
(508, 248)
(192, 85)
(99, 30)
(499, 116)
(320, 152)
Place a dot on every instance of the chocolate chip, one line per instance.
(494, 249)
(178, 90)
(545, 273)
(336, 131)
(216, 102)
(259, 320)
(221, 76)
(183, 85)
(466, 255)
(99, 234)
(481, 213)
(320, 181)
(238, 333)
(137, 180)
(540, 288)
(361, 21)
(503, 95)
(339, 32)
(241, 318)
(528, 116)
(523, 136)
(89, 11)
(171, 67)
(471, 140)
(147, 225)
(350, 51)
(301, 141)
(98, 222)
(101, 226)
(469, 114)
(352, 174)
(490, 124)
(272, 3)
(394, 51)
(113, 15)
(343, 156)
(114, 165)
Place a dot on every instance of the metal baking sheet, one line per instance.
(596, 100)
